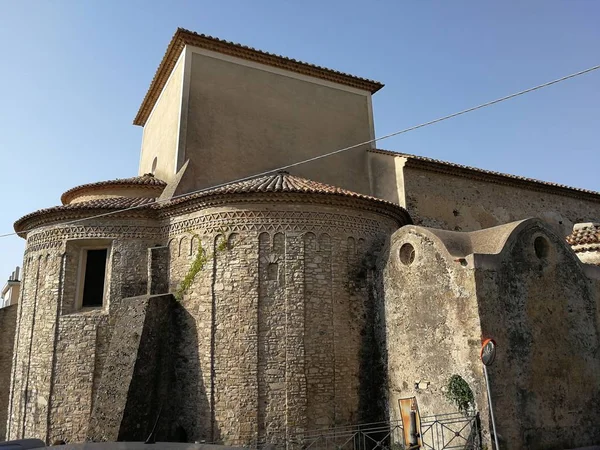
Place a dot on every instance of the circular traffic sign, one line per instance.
(488, 352)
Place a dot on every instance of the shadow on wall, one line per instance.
(373, 353)
(540, 306)
(190, 409)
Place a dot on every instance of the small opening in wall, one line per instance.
(407, 254)
(154, 162)
(93, 281)
(272, 271)
(541, 247)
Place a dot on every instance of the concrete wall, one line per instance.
(160, 138)
(519, 284)
(542, 309)
(432, 331)
(459, 203)
(8, 324)
(244, 118)
(273, 332)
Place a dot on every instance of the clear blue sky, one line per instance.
(73, 74)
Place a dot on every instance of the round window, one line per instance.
(407, 254)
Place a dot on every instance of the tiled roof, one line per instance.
(100, 205)
(584, 234)
(183, 37)
(422, 162)
(146, 180)
(280, 182)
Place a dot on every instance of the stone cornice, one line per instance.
(377, 206)
(45, 218)
(147, 181)
(165, 211)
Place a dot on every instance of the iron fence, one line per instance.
(440, 432)
(451, 431)
(380, 435)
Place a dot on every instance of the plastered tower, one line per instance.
(233, 111)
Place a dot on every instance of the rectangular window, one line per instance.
(94, 278)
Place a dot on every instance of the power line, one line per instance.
(335, 152)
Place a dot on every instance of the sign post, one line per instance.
(411, 422)
(488, 355)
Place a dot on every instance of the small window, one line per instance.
(272, 271)
(407, 254)
(541, 247)
(95, 274)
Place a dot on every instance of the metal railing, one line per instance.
(451, 431)
(371, 436)
(439, 432)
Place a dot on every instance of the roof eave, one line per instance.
(183, 37)
(423, 163)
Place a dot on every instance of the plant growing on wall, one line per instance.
(459, 392)
(200, 260)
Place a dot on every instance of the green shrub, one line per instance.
(459, 392)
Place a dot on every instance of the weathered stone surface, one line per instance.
(136, 373)
(271, 335)
(523, 286)
(158, 270)
(537, 301)
(8, 324)
(450, 197)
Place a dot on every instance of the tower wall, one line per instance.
(60, 349)
(8, 324)
(239, 118)
(161, 135)
(275, 327)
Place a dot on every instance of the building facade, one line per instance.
(249, 309)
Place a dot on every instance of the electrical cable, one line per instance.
(335, 152)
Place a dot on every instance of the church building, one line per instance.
(249, 305)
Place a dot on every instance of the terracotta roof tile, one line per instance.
(280, 182)
(183, 37)
(99, 205)
(585, 235)
(146, 180)
(489, 175)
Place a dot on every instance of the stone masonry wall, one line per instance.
(431, 321)
(8, 325)
(271, 329)
(269, 339)
(462, 204)
(537, 302)
(136, 374)
(59, 349)
(32, 380)
(520, 284)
